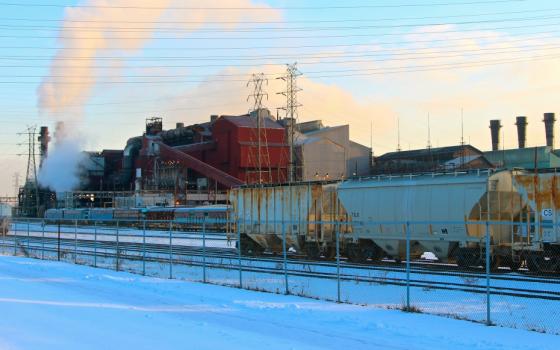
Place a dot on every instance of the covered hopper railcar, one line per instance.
(442, 213)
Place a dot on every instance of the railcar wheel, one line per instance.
(514, 265)
(467, 258)
(250, 247)
(312, 251)
(356, 254)
(330, 253)
(540, 262)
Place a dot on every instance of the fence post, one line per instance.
(95, 243)
(28, 251)
(58, 242)
(170, 249)
(15, 237)
(144, 247)
(204, 249)
(285, 258)
(75, 241)
(488, 320)
(43, 223)
(337, 237)
(117, 251)
(238, 228)
(408, 266)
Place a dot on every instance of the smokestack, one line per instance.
(43, 144)
(521, 123)
(179, 125)
(549, 128)
(495, 126)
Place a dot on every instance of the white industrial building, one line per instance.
(328, 153)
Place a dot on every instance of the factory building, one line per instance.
(539, 157)
(451, 158)
(328, 153)
(203, 160)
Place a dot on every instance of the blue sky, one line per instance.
(372, 62)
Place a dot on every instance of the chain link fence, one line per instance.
(480, 279)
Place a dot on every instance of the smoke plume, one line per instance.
(112, 26)
(60, 171)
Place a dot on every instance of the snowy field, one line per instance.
(54, 305)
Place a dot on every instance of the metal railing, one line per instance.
(397, 269)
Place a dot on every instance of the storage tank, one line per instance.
(440, 204)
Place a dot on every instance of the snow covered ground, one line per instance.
(53, 305)
(377, 287)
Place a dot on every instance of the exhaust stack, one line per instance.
(495, 126)
(521, 123)
(43, 139)
(549, 120)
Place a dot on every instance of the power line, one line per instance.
(286, 21)
(191, 37)
(143, 111)
(339, 59)
(311, 73)
(316, 46)
(337, 7)
(268, 74)
(363, 72)
(264, 29)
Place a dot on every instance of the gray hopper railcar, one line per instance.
(442, 213)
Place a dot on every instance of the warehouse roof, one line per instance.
(246, 121)
(431, 159)
(543, 157)
(442, 153)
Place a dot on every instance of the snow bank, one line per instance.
(52, 305)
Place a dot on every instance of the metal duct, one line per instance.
(549, 120)
(495, 126)
(521, 123)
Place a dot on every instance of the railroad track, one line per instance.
(211, 252)
(228, 259)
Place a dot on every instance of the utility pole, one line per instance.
(399, 134)
(429, 133)
(16, 184)
(257, 81)
(291, 111)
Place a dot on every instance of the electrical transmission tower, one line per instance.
(29, 195)
(257, 80)
(292, 73)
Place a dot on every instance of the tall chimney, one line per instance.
(549, 128)
(495, 126)
(521, 123)
(43, 139)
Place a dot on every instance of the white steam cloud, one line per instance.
(60, 171)
(111, 26)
